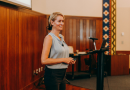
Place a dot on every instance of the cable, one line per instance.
(39, 84)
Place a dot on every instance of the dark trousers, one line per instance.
(54, 79)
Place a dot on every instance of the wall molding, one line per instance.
(122, 52)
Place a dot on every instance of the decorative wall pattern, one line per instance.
(113, 27)
(106, 34)
(109, 25)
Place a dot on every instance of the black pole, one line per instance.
(100, 71)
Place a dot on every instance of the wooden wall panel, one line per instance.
(81, 34)
(70, 34)
(29, 67)
(119, 65)
(77, 33)
(42, 27)
(74, 34)
(99, 33)
(114, 65)
(13, 42)
(35, 35)
(21, 35)
(0, 47)
(66, 31)
(3, 49)
(124, 53)
(20, 50)
(24, 50)
(16, 49)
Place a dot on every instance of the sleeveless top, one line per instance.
(59, 49)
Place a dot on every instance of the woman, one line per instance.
(55, 54)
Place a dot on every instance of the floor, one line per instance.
(68, 87)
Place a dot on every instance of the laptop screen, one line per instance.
(103, 43)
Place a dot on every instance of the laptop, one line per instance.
(102, 47)
(103, 43)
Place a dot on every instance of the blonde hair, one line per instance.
(53, 17)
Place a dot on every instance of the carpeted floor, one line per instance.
(110, 82)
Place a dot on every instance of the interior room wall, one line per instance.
(39, 6)
(129, 61)
(123, 25)
(91, 8)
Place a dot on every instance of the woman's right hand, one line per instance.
(68, 60)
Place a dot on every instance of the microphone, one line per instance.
(62, 44)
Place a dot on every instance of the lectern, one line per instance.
(100, 65)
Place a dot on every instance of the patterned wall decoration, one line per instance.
(109, 25)
(113, 27)
(106, 34)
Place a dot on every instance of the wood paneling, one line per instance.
(77, 33)
(3, 49)
(12, 49)
(117, 64)
(21, 37)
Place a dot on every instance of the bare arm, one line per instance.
(45, 53)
